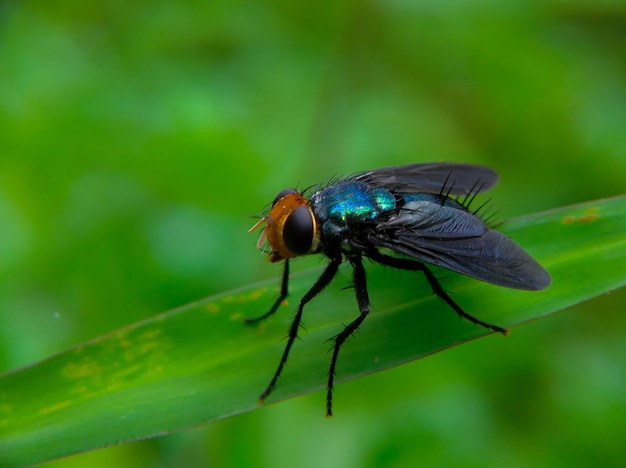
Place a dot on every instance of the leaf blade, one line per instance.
(199, 363)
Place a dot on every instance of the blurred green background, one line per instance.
(138, 140)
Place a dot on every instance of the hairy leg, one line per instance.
(414, 265)
(323, 281)
(362, 298)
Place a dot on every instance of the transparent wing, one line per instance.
(458, 179)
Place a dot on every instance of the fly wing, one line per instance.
(453, 178)
(459, 241)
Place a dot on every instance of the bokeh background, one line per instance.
(138, 139)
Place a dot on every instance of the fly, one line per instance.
(419, 212)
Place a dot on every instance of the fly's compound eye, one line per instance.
(283, 193)
(299, 230)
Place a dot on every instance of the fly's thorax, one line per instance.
(346, 204)
(291, 228)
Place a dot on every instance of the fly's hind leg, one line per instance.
(413, 265)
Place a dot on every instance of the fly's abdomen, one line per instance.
(431, 198)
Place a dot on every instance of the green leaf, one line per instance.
(200, 362)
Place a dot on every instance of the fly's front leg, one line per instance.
(323, 281)
(283, 294)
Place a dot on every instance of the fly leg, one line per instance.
(413, 265)
(323, 281)
(284, 291)
(362, 298)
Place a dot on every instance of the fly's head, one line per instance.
(290, 227)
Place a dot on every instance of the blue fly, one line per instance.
(419, 212)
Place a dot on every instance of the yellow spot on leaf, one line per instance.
(77, 371)
(589, 216)
(55, 407)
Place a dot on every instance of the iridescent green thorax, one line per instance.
(347, 203)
